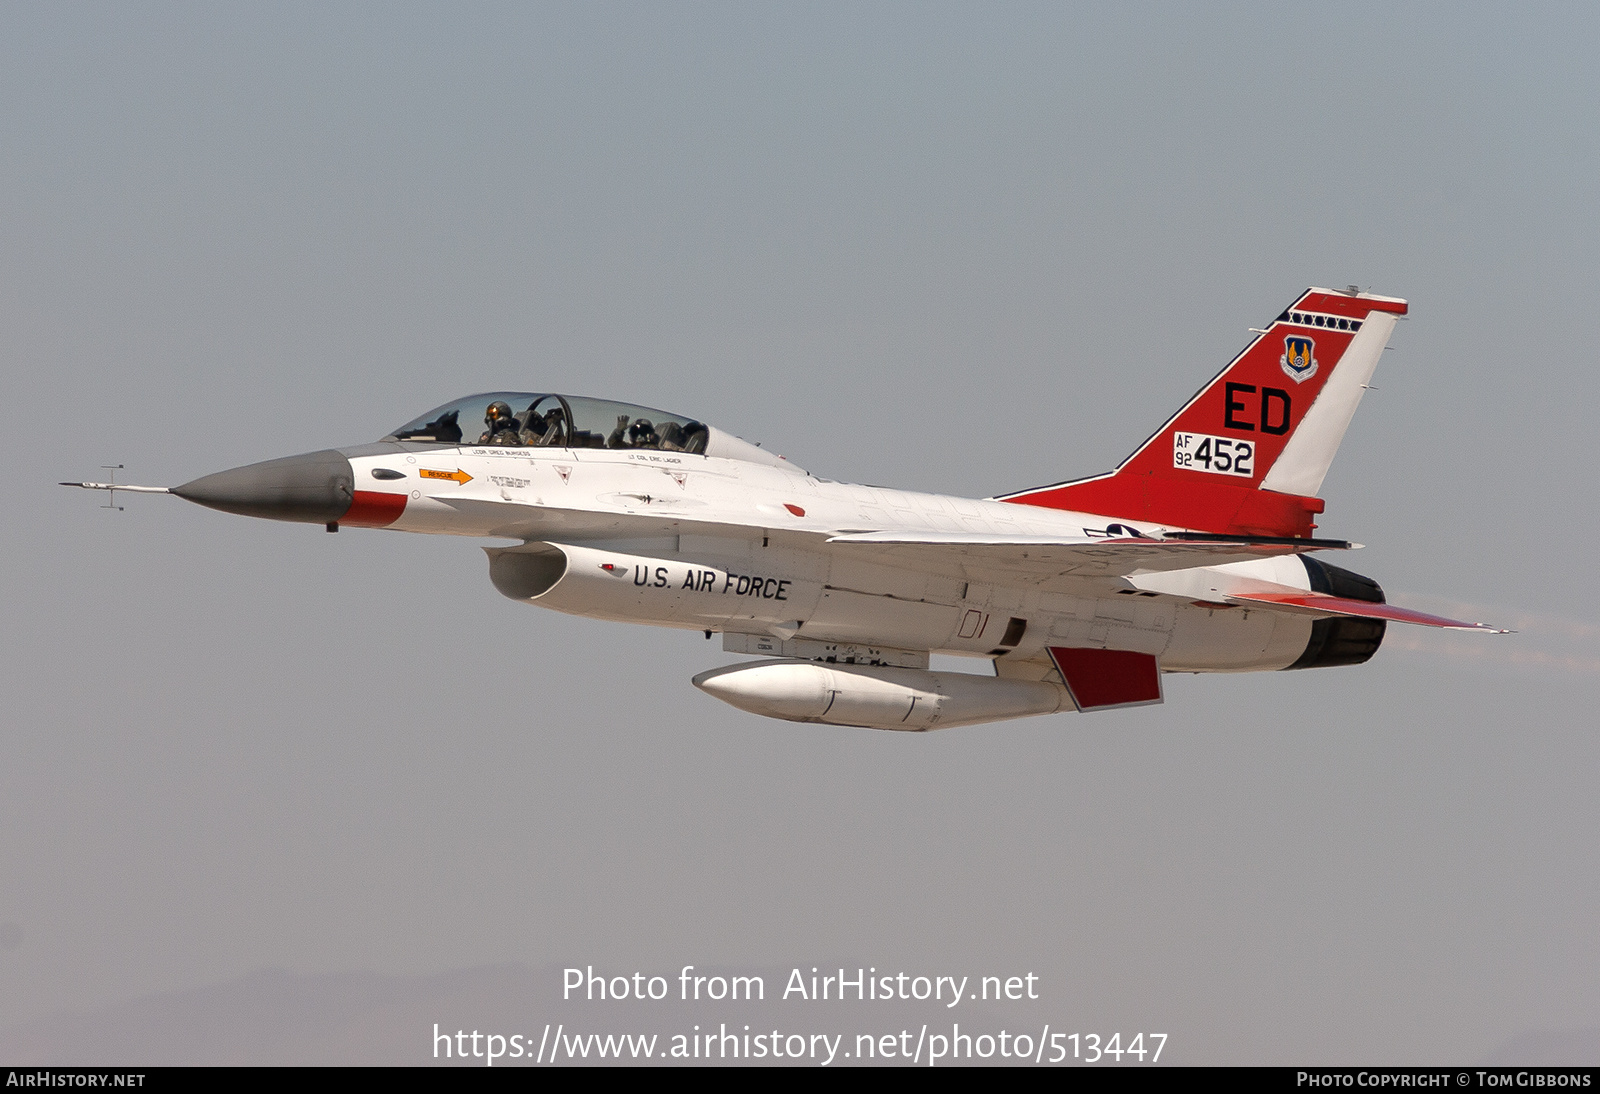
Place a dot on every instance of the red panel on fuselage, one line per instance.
(373, 509)
(1103, 679)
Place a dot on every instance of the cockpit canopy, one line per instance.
(525, 419)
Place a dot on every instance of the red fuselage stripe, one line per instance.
(372, 509)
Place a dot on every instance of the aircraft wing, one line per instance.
(1041, 557)
(1053, 556)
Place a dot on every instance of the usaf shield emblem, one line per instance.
(1297, 360)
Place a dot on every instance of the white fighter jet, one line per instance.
(1194, 555)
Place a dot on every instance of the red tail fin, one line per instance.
(1245, 454)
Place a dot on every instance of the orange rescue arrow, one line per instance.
(456, 476)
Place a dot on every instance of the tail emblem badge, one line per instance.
(1298, 363)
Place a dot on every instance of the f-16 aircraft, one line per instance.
(1196, 554)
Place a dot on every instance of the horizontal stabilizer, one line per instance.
(1321, 604)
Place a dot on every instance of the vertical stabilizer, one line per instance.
(1246, 455)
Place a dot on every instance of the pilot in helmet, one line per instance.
(500, 425)
(642, 434)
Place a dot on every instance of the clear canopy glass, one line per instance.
(525, 419)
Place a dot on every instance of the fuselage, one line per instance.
(740, 546)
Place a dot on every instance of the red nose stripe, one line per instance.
(372, 509)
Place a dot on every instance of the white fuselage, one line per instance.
(739, 547)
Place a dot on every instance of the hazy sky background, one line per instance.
(956, 248)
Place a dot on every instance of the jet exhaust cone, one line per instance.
(316, 488)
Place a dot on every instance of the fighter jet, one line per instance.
(1196, 554)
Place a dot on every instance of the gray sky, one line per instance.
(966, 249)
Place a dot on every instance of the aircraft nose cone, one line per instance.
(315, 488)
